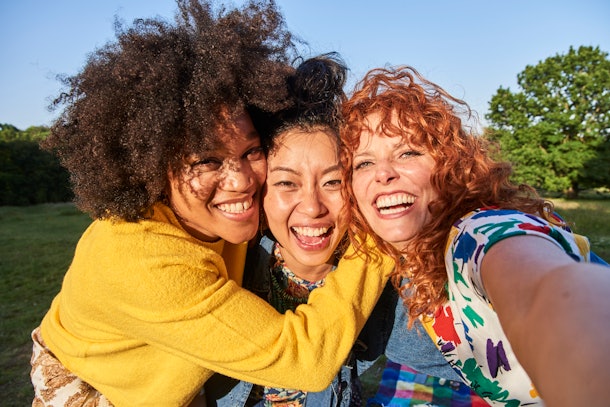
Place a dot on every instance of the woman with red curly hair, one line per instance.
(505, 290)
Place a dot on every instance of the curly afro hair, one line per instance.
(158, 93)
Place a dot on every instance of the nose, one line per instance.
(236, 176)
(312, 204)
(385, 173)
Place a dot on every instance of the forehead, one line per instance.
(233, 132)
(388, 127)
(296, 141)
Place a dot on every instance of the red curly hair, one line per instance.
(465, 177)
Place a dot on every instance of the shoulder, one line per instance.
(479, 230)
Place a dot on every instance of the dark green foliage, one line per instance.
(29, 175)
(556, 128)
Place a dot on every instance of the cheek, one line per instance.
(359, 189)
(201, 188)
(277, 205)
(335, 204)
(276, 211)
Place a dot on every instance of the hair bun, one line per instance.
(317, 86)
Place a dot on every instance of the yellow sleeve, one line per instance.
(161, 296)
(284, 350)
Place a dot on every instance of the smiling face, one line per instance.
(303, 200)
(391, 184)
(216, 195)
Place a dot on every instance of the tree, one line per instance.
(8, 132)
(556, 129)
(29, 175)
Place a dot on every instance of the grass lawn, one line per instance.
(590, 218)
(36, 247)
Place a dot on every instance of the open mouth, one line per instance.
(396, 203)
(235, 207)
(312, 236)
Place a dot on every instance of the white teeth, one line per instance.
(390, 211)
(311, 232)
(237, 207)
(393, 200)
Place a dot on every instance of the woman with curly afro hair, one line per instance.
(506, 291)
(157, 133)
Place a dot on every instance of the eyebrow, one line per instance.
(363, 154)
(253, 134)
(293, 171)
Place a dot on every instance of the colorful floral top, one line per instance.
(467, 329)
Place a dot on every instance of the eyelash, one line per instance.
(288, 184)
(256, 150)
(411, 153)
(283, 184)
(362, 165)
(253, 154)
(405, 154)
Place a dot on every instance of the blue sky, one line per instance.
(469, 47)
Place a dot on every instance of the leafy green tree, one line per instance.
(556, 128)
(8, 132)
(29, 175)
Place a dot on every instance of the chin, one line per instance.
(241, 237)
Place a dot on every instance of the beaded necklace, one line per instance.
(287, 290)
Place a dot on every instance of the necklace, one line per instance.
(280, 299)
(286, 290)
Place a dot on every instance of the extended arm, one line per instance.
(556, 315)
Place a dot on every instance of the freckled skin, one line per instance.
(388, 166)
(216, 195)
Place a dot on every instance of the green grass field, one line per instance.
(36, 246)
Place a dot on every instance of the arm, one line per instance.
(556, 316)
(171, 293)
(316, 337)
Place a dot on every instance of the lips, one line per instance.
(394, 203)
(312, 238)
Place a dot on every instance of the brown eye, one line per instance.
(206, 165)
(333, 184)
(255, 154)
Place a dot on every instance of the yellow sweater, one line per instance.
(147, 313)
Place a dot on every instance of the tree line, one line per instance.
(554, 129)
(29, 175)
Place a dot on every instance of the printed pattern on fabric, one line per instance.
(285, 296)
(467, 329)
(55, 386)
(403, 386)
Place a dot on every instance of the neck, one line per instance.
(309, 273)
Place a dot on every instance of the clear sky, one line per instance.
(470, 47)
